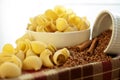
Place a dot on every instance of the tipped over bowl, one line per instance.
(108, 20)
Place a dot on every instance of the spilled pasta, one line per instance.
(29, 54)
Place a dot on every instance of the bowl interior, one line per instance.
(106, 20)
(102, 23)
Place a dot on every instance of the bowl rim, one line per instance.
(70, 32)
(112, 17)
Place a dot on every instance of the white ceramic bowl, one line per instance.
(108, 20)
(61, 39)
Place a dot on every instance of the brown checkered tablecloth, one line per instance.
(107, 70)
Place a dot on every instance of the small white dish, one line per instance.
(61, 39)
(108, 20)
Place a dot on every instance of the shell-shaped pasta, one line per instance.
(21, 45)
(59, 10)
(51, 47)
(50, 21)
(8, 48)
(48, 28)
(84, 24)
(37, 46)
(20, 54)
(40, 29)
(30, 53)
(9, 70)
(40, 20)
(27, 41)
(16, 60)
(61, 24)
(5, 57)
(45, 57)
(73, 19)
(86, 21)
(61, 56)
(32, 63)
(11, 58)
(50, 14)
(53, 26)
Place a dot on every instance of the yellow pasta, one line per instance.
(61, 24)
(21, 45)
(61, 56)
(51, 47)
(38, 46)
(20, 54)
(5, 57)
(10, 58)
(40, 29)
(9, 70)
(50, 14)
(32, 63)
(51, 21)
(16, 60)
(8, 48)
(45, 57)
(40, 20)
(59, 10)
(30, 53)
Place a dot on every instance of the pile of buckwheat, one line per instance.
(89, 51)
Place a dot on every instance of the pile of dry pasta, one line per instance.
(29, 54)
(59, 19)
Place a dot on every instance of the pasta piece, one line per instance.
(61, 56)
(30, 53)
(20, 54)
(9, 70)
(45, 57)
(16, 60)
(59, 10)
(40, 29)
(32, 63)
(38, 46)
(61, 24)
(58, 20)
(51, 47)
(4, 57)
(40, 20)
(22, 45)
(8, 48)
(50, 14)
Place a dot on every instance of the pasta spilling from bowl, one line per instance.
(58, 19)
(32, 54)
(29, 55)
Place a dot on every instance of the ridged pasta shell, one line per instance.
(61, 56)
(9, 70)
(32, 63)
(45, 57)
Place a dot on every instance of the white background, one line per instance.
(15, 14)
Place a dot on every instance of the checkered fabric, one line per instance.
(107, 70)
